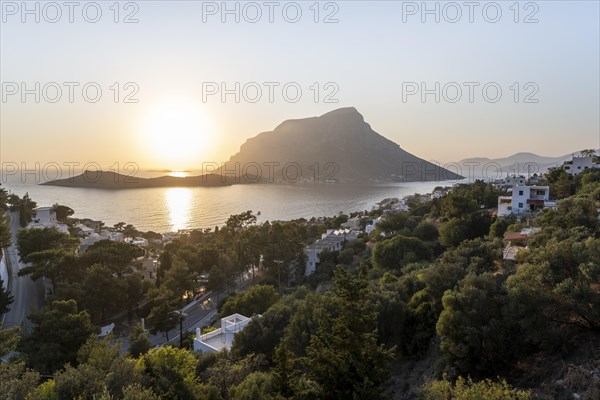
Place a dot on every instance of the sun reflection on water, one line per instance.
(179, 202)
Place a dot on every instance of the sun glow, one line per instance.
(177, 134)
(179, 202)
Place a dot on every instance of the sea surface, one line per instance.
(170, 209)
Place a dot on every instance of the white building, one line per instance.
(45, 217)
(222, 338)
(579, 164)
(525, 199)
(529, 198)
(370, 227)
(95, 237)
(332, 240)
(510, 181)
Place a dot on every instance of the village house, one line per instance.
(45, 217)
(222, 338)
(332, 240)
(516, 241)
(525, 199)
(578, 164)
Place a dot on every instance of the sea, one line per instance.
(172, 209)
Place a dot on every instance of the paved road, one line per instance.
(27, 293)
(198, 314)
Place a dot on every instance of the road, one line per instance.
(27, 294)
(199, 314)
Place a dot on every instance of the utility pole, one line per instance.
(182, 315)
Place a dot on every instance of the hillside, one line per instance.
(111, 180)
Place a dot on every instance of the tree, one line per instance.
(453, 232)
(25, 207)
(344, 358)
(84, 382)
(36, 240)
(216, 279)
(466, 389)
(255, 301)
(5, 298)
(62, 212)
(238, 222)
(58, 333)
(426, 231)
(138, 392)
(225, 373)
(170, 373)
(476, 335)
(16, 381)
(180, 279)
(162, 317)
(5, 235)
(117, 256)
(102, 292)
(165, 261)
(587, 153)
(9, 338)
(559, 281)
(139, 342)
(393, 253)
(130, 231)
(256, 386)
(113, 367)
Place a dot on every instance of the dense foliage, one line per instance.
(429, 285)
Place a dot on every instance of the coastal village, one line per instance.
(520, 199)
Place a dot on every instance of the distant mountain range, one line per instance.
(519, 163)
(338, 146)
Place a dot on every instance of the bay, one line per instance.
(170, 209)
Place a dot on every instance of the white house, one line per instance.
(510, 181)
(332, 240)
(578, 164)
(222, 338)
(529, 198)
(525, 199)
(370, 227)
(45, 217)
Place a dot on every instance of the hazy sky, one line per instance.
(178, 52)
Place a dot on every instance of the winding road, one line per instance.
(27, 293)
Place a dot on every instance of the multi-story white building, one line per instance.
(332, 240)
(529, 198)
(578, 164)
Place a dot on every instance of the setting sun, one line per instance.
(177, 134)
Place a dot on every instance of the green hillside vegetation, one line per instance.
(425, 307)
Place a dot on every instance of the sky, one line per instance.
(179, 82)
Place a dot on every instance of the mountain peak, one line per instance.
(344, 111)
(342, 140)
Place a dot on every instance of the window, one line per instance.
(520, 205)
(520, 193)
